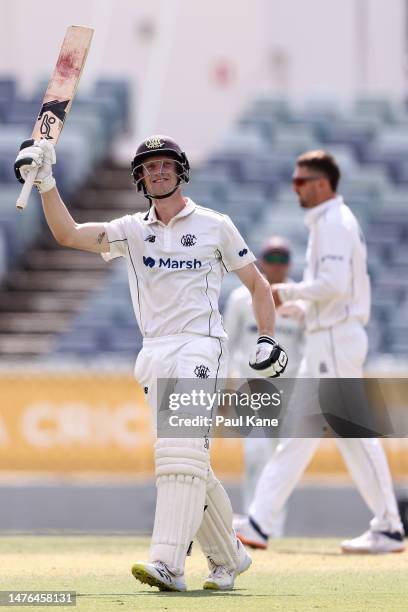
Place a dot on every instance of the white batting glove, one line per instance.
(36, 154)
(270, 359)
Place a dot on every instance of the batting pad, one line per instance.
(216, 535)
(181, 476)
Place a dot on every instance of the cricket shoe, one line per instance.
(250, 533)
(222, 578)
(157, 574)
(375, 543)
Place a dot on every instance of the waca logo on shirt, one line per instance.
(179, 264)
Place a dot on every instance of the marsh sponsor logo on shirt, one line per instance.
(172, 264)
(149, 262)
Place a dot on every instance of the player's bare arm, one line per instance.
(262, 300)
(84, 236)
(269, 358)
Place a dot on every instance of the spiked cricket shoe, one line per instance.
(375, 543)
(157, 574)
(222, 578)
(249, 534)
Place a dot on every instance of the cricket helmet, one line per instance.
(152, 147)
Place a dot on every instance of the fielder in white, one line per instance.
(177, 253)
(240, 325)
(336, 290)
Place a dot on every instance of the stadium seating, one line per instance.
(91, 123)
(90, 126)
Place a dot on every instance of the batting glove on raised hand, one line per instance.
(270, 360)
(36, 154)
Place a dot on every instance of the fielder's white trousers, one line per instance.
(257, 453)
(336, 352)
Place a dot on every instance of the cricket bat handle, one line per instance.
(26, 189)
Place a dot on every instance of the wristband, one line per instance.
(46, 184)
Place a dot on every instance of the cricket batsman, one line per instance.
(177, 254)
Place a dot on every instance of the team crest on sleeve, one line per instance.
(154, 142)
(243, 252)
(188, 240)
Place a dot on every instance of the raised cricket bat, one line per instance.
(60, 94)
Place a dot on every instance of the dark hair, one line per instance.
(321, 161)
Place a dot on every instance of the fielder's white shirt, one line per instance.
(336, 285)
(242, 330)
(175, 270)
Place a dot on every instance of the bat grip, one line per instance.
(26, 189)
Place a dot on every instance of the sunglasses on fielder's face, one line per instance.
(299, 181)
(276, 258)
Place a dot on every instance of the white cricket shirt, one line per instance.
(175, 270)
(336, 285)
(242, 330)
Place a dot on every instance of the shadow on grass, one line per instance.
(304, 551)
(173, 595)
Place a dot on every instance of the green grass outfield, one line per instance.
(295, 574)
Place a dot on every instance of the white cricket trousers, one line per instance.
(181, 356)
(191, 502)
(339, 351)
